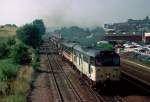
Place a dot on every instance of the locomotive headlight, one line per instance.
(107, 76)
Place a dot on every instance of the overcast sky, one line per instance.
(72, 12)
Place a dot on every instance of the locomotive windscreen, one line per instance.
(107, 58)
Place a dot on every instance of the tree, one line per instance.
(21, 54)
(40, 25)
(29, 34)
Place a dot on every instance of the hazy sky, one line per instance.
(72, 12)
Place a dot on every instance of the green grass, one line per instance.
(138, 61)
(8, 70)
(12, 75)
(3, 39)
(145, 63)
(8, 73)
(14, 98)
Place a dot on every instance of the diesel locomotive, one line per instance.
(98, 65)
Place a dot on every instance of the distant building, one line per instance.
(137, 26)
(132, 30)
(128, 37)
(132, 38)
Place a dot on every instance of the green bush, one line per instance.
(5, 47)
(21, 54)
(8, 70)
(11, 41)
(4, 50)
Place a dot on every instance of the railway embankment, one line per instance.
(138, 71)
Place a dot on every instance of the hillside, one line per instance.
(7, 31)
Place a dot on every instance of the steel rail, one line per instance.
(55, 81)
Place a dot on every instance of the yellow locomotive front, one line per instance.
(106, 67)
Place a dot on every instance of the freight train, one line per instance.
(97, 65)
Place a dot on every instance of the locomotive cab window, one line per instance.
(107, 58)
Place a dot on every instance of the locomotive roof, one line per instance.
(68, 44)
(87, 51)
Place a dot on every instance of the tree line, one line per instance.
(21, 48)
(15, 51)
(31, 35)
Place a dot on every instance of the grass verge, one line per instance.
(15, 89)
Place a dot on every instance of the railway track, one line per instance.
(137, 83)
(139, 73)
(68, 80)
(92, 92)
(60, 98)
(53, 63)
(102, 98)
(59, 72)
